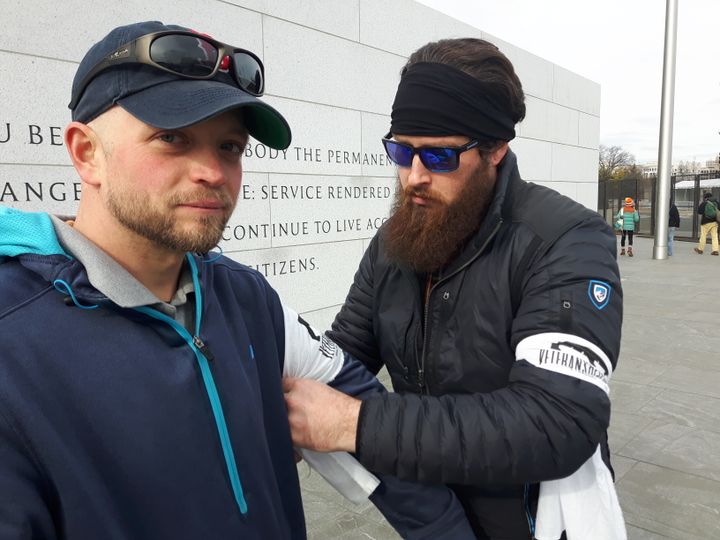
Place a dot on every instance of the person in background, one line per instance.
(708, 210)
(629, 219)
(673, 225)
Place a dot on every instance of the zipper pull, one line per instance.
(421, 379)
(204, 349)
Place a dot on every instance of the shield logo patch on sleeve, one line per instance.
(599, 293)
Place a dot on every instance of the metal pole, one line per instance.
(662, 208)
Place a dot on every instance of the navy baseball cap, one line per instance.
(166, 100)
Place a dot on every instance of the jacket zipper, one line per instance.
(420, 361)
(426, 338)
(203, 355)
(204, 349)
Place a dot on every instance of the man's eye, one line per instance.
(233, 147)
(168, 137)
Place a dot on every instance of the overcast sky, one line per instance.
(619, 44)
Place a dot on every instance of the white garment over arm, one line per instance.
(311, 355)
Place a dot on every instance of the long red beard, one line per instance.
(426, 238)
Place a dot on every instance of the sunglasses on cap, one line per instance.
(186, 54)
(436, 159)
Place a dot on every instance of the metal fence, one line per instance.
(686, 192)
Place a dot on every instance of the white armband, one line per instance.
(309, 354)
(567, 354)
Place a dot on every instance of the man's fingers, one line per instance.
(288, 383)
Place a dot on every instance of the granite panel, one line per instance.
(575, 91)
(322, 319)
(253, 5)
(684, 408)
(569, 189)
(321, 209)
(551, 122)
(588, 130)
(305, 277)
(623, 428)
(534, 159)
(54, 189)
(679, 447)
(341, 79)
(33, 113)
(374, 128)
(587, 195)
(76, 25)
(670, 503)
(639, 368)
(693, 379)
(402, 26)
(322, 15)
(574, 164)
(636, 533)
(318, 147)
(535, 73)
(621, 465)
(630, 397)
(250, 226)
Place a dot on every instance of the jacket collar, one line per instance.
(103, 272)
(55, 251)
(107, 278)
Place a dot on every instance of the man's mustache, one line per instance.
(427, 194)
(202, 195)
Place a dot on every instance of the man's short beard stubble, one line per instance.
(427, 238)
(160, 226)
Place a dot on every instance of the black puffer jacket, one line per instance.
(674, 220)
(505, 384)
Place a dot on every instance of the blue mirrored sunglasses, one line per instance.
(437, 159)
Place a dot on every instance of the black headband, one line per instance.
(436, 99)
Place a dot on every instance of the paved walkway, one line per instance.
(665, 427)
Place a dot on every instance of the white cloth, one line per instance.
(583, 504)
(310, 355)
(343, 472)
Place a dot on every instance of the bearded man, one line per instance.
(496, 307)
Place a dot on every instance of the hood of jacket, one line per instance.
(23, 233)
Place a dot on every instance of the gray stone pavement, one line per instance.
(665, 426)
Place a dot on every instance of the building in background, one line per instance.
(685, 167)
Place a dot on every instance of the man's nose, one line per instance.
(419, 174)
(207, 167)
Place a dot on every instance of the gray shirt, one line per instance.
(111, 279)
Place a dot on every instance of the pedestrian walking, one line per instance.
(673, 225)
(708, 211)
(626, 220)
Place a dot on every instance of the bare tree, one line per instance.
(629, 172)
(613, 159)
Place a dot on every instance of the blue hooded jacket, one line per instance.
(118, 423)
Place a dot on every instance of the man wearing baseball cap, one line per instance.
(140, 382)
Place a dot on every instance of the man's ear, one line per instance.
(497, 155)
(85, 150)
